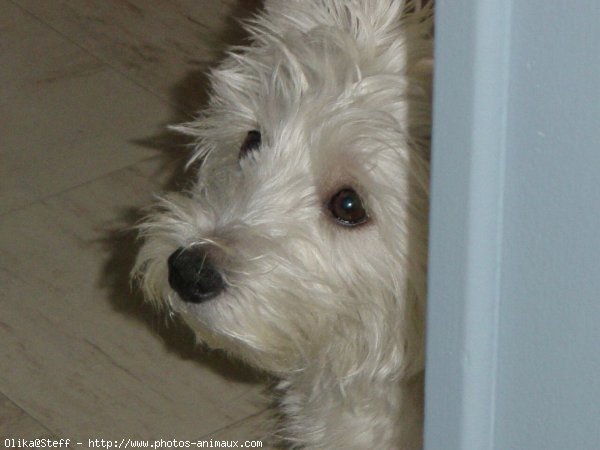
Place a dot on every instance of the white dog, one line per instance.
(301, 247)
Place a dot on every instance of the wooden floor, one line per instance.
(86, 90)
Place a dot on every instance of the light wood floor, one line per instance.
(86, 90)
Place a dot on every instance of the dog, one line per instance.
(301, 246)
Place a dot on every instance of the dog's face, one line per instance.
(303, 240)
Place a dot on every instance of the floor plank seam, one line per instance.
(28, 414)
(4, 214)
(179, 108)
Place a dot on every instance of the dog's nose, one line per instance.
(193, 276)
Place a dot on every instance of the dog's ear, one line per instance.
(361, 18)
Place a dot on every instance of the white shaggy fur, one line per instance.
(340, 91)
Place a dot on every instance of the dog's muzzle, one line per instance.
(193, 276)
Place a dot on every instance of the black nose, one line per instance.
(192, 275)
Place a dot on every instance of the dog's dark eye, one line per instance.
(347, 208)
(251, 143)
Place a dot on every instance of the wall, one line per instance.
(514, 308)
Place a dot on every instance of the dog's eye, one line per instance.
(347, 208)
(251, 143)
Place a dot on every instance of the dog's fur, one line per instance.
(340, 91)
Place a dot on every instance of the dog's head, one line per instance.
(303, 240)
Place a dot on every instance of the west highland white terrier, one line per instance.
(301, 247)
